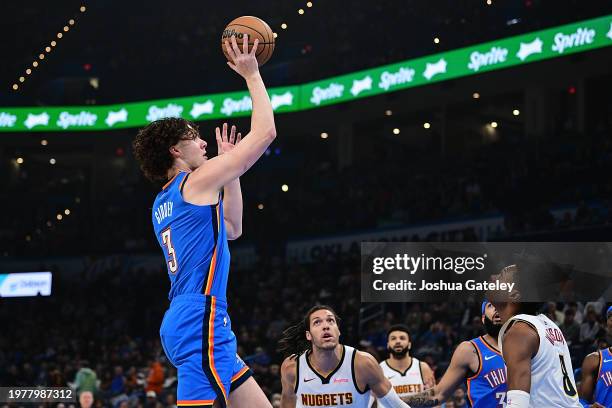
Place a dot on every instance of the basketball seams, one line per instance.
(268, 37)
(257, 31)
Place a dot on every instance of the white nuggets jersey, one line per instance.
(337, 389)
(407, 383)
(552, 374)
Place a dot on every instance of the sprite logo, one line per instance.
(582, 36)
(285, 99)
(333, 91)
(496, 55)
(82, 118)
(7, 120)
(391, 79)
(236, 105)
(169, 111)
(42, 119)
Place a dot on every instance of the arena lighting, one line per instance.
(493, 125)
(309, 4)
(49, 224)
(436, 40)
(396, 131)
(284, 26)
(67, 211)
(516, 112)
(388, 112)
(285, 188)
(19, 160)
(475, 95)
(426, 125)
(44, 142)
(41, 56)
(15, 87)
(275, 35)
(489, 2)
(301, 11)
(324, 135)
(59, 217)
(52, 161)
(260, 206)
(82, 9)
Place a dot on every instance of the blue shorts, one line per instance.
(197, 337)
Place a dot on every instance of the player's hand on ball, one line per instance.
(224, 144)
(243, 62)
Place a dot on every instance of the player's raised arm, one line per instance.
(215, 173)
(368, 369)
(288, 381)
(454, 375)
(520, 344)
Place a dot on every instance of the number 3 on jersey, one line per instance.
(167, 241)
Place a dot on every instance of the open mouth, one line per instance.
(327, 336)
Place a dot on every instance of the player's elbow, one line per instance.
(232, 231)
(234, 234)
(270, 134)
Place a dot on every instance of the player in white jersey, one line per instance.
(540, 372)
(321, 372)
(407, 374)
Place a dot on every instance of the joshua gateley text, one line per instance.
(470, 284)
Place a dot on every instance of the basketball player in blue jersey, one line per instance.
(195, 213)
(596, 385)
(479, 363)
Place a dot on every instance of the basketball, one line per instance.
(255, 28)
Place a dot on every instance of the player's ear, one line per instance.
(308, 336)
(174, 152)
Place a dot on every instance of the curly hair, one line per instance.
(152, 143)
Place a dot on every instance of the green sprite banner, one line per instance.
(503, 53)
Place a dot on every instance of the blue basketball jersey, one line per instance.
(603, 388)
(487, 388)
(193, 240)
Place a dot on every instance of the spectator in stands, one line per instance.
(569, 327)
(86, 399)
(118, 384)
(590, 328)
(155, 380)
(553, 314)
(86, 379)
